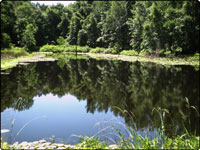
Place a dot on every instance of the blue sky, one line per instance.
(65, 3)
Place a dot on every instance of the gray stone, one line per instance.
(59, 145)
(113, 146)
(61, 148)
(51, 147)
(47, 143)
(67, 146)
(35, 142)
(41, 141)
(41, 147)
(31, 147)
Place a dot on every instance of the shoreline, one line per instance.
(158, 60)
(43, 144)
(42, 56)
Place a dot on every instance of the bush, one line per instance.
(5, 41)
(63, 48)
(110, 51)
(60, 41)
(167, 53)
(13, 52)
(143, 53)
(51, 48)
(195, 57)
(97, 50)
(129, 53)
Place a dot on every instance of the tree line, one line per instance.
(150, 26)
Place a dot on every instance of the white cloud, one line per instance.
(65, 3)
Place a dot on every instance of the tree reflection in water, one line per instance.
(135, 87)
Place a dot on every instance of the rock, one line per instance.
(36, 142)
(4, 130)
(52, 147)
(47, 143)
(16, 143)
(67, 146)
(61, 148)
(41, 147)
(113, 146)
(42, 141)
(59, 145)
(31, 147)
(24, 143)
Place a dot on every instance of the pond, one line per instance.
(87, 97)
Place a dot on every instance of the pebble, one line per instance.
(41, 147)
(42, 144)
(59, 145)
(42, 141)
(60, 148)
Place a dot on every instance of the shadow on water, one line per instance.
(135, 87)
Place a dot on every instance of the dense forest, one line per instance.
(149, 26)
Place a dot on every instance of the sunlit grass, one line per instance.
(7, 63)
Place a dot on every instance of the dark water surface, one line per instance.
(78, 96)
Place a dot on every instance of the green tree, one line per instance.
(28, 37)
(5, 40)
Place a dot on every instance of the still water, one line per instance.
(84, 96)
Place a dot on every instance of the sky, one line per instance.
(65, 3)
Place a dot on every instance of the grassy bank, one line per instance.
(11, 57)
(184, 60)
(163, 58)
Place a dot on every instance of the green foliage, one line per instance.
(103, 50)
(195, 57)
(52, 48)
(91, 143)
(13, 52)
(167, 53)
(4, 145)
(97, 50)
(5, 40)
(129, 53)
(144, 53)
(153, 26)
(110, 51)
(64, 48)
(60, 41)
(28, 37)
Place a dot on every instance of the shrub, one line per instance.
(143, 53)
(63, 48)
(52, 48)
(129, 53)
(60, 41)
(5, 41)
(97, 50)
(195, 57)
(167, 53)
(110, 51)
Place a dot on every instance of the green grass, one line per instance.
(11, 62)
(103, 50)
(129, 53)
(64, 48)
(13, 53)
(178, 142)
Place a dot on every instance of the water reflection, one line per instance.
(135, 87)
